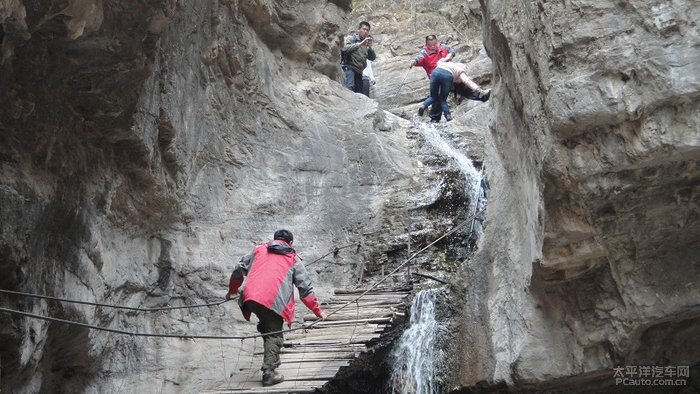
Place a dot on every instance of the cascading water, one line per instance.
(415, 357)
(476, 185)
(466, 167)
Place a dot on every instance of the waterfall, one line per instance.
(476, 183)
(465, 165)
(415, 358)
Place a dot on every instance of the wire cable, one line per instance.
(335, 250)
(408, 260)
(130, 308)
(241, 337)
(165, 308)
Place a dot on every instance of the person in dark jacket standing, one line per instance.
(273, 269)
(354, 56)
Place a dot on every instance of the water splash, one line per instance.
(465, 165)
(415, 357)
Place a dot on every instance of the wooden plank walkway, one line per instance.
(312, 357)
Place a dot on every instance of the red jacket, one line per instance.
(428, 59)
(273, 269)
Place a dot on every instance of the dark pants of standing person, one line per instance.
(269, 321)
(365, 86)
(440, 86)
(435, 112)
(353, 79)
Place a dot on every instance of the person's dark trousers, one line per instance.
(461, 90)
(269, 321)
(353, 80)
(365, 86)
(440, 86)
(435, 112)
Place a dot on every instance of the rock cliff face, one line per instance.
(146, 145)
(593, 217)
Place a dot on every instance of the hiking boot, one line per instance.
(448, 117)
(484, 96)
(434, 120)
(421, 111)
(271, 378)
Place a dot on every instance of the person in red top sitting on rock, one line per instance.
(273, 269)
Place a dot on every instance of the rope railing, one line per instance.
(238, 337)
(408, 260)
(130, 308)
(335, 250)
(157, 309)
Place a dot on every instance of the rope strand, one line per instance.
(241, 337)
(130, 308)
(335, 250)
(166, 308)
(413, 256)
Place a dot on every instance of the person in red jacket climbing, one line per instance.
(273, 269)
(439, 56)
(429, 56)
(432, 53)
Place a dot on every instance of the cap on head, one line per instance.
(284, 235)
(430, 37)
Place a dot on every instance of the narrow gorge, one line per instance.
(145, 146)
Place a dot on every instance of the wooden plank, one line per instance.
(330, 328)
(353, 321)
(304, 386)
(331, 336)
(312, 347)
(308, 362)
(298, 371)
(379, 290)
(320, 359)
(329, 342)
(255, 379)
(348, 316)
(329, 339)
(360, 308)
(329, 349)
(352, 314)
(326, 343)
(266, 390)
(352, 308)
(312, 354)
(306, 359)
(322, 334)
(321, 377)
(363, 304)
(369, 297)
